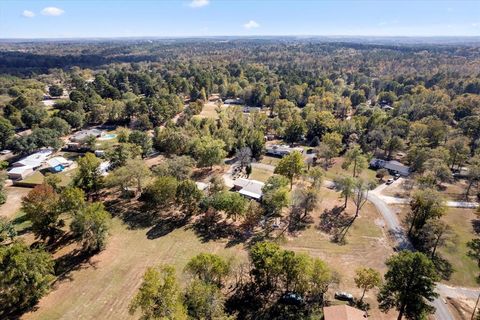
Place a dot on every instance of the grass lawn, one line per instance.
(455, 251)
(367, 246)
(336, 169)
(260, 174)
(462, 222)
(273, 161)
(103, 287)
(37, 177)
(208, 111)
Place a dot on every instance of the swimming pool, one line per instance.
(109, 136)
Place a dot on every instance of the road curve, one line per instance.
(441, 309)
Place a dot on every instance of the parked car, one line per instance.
(344, 296)
(292, 298)
(396, 176)
(389, 181)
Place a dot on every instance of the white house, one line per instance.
(34, 160)
(281, 150)
(19, 173)
(249, 188)
(58, 164)
(392, 166)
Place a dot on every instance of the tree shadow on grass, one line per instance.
(167, 225)
(443, 267)
(298, 220)
(74, 260)
(335, 222)
(211, 227)
(134, 214)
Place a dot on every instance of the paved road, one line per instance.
(442, 312)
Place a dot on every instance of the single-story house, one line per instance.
(343, 312)
(392, 166)
(236, 101)
(281, 150)
(19, 173)
(35, 160)
(249, 188)
(58, 164)
(80, 136)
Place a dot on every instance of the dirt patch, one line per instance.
(14, 201)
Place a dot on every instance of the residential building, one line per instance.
(281, 150)
(80, 136)
(19, 173)
(35, 160)
(251, 189)
(393, 166)
(58, 164)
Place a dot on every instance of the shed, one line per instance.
(343, 312)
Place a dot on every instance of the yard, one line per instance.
(336, 169)
(102, 287)
(37, 177)
(465, 225)
(209, 111)
(260, 174)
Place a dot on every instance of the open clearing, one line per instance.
(103, 287)
(336, 169)
(14, 201)
(465, 225)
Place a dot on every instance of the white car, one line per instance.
(389, 181)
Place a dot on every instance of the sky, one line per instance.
(184, 18)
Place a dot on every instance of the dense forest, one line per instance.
(418, 104)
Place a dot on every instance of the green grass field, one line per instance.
(461, 221)
(260, 174)
(336, 169)
(103, 287)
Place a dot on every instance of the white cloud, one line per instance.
(52, 11)
(28, 14)
(251, 25)
(199, 3)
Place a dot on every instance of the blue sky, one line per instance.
(108, 18)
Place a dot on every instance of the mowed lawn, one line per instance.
(260, 174)
(336, 169)
(103, 288)
(462, 222)
(367, 246)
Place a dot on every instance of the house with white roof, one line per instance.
(58, 164)
(19, 173)
(251, 189)
(281, 150)
(34, 160)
